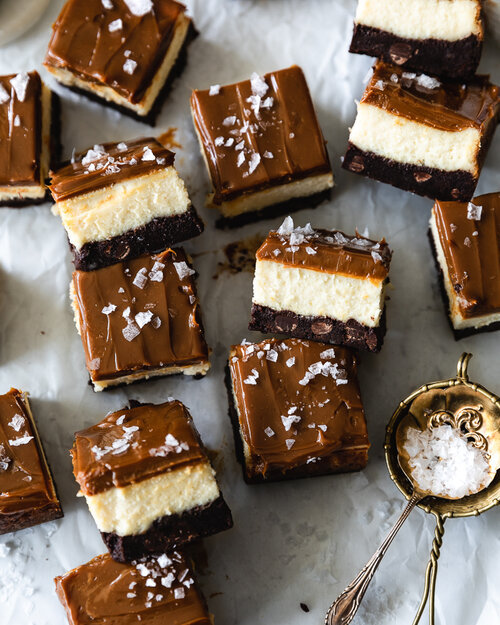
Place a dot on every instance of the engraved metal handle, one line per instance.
(343, 610)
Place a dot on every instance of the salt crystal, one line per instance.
(292, 135)
(17, 422)
(322, 427)
(289, 443)
(107, 4)
(239, 146)
(122, 146)
(289, 420)
(17, 121)
(467, 242)
(150, 583)
(394, 78)
(120, 420)
(4, 95)
(143, 318)
(267, 103)
(107, 310)
(126, 313)
(219, 141)
(214, 90)
(269, 432)
(475, 233)
(148, 155)
(131, 595)
(453, 227)
(20, 84)
(379, 85)
(156, 273)
(23, 440)
(95, 364)
(444, 463)
(254, 162)
(328, 353)
(129, 66)
(376, 257)
(140, 278)
(290, 362)
(139, 7)
(286, 227)
(115, 25)
(229, 142)
(131, 331)
(310, 250)
(428, 82)
(179, 593)
(164, 561)
(258, 85)
(474, 212)
(127, 53)
(167, 580)
(241, 159)
(229, 121)
(183, 270)
(272, 355)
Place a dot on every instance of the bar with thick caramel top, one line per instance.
(28, 492)
(153, 591)
(138, 316)
(129, 446)
(20, 129)
(280, 131)
(471, 248)
(329, 251)
(298, 407)
(443, 105)
(84, 43)
(107, 164)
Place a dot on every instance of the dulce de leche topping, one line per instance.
(470, 238)
(259, 132)
(297, 401)
(329, 251)
(139, 314)
(118, 43)
(442, 105)
(149, 592)
(108, 164)
(134, 444)
(20, 129)
(25, 484)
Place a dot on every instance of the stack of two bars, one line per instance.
(123, 205)
(295, 404)
(151, 490)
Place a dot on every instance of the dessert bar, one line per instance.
(438, 37)
(29, 138)
(465, 238)
(423, 135)
(262, 145)
(122, 200)
(296, 409)
(150, 591)
(98, 48)
(148, 481)
(321, 285)
(28, 493)
(140, 319)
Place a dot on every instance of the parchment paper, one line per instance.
(293, 542)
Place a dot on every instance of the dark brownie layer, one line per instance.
(55, 156)
(269, 212)
(170, 532)
(153, 237)
(350, 333)
(458, 334)
(449, 59)
(426, 181)
(341, 462)
(150, 119)
(29, 518)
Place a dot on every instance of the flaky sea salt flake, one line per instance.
(229, 121)
(17, 422)
(258, 85)
(183, 270)
(148, 155)
(115, 25)
(129, 66)
(143, 318)
(214, 90)
(140, 278)
(4, 95)
(139, 7)
(289, 442)
(107, 310)
(22, 440)
(131, 331)
(474, 212)
(20, 84)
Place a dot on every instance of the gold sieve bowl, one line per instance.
(462, 404)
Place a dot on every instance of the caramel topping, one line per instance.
(442, 105)
(20, 129)
(297, 401)
(25, 484)
(329, 251)
(139, 314)
(105, 165)
(152, 592)
(470, 237)
(134, 444)
(259, 132)
(113, 46)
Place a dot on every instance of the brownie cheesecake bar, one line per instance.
(296, 409)
(122, 200)
(29, 138)
(28, 495)
(465, 238)
(439, 37)
(263, 146)
(140, 319)
(321, 285)
(423, 135)
(152, 591)
(147, 480)
(122, 53)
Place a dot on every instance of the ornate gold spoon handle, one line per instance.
(343, 610)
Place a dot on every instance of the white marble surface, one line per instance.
(293, 542)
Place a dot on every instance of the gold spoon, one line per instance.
(458, 403)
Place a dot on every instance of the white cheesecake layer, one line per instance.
(450, 20)
(406, 141)
(114, 210)
(35, 191)
(133, 508)
(459, 322)
(315, 293)
(66, 77)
